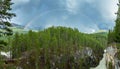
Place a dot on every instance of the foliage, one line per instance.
(56, 47)
(117, 31)
(111, 37)
(5, 17)
(114, 35)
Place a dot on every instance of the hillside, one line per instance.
(60, 45)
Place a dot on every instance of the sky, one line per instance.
(86, 15)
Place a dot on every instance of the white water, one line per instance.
(102, 64)
(6, 54)
(108, 56)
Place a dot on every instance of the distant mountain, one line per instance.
(32, 27)
(101, 33)
(17, 25)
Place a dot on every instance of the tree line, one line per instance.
(56, 47)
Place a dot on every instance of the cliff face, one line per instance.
(84, 58)
(110, 60)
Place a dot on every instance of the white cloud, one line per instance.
(72, 5)
(92, 31)
(89, 1)
(18, 2)
(107, 8)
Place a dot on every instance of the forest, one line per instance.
(56, 47)
(60, 47)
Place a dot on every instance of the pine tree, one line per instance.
(111, 37)
(5, 17)
(117, 31)
(117, 27)
(114, 35)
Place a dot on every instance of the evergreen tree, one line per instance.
(117, 27)
(114, 36)
(57, 47)
(111, 37)
(117, 30)
(5, 17)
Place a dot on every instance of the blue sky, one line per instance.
(86, 15)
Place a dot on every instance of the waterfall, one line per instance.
(102, 64)
(108, 56)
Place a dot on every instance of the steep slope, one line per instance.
(61, 46)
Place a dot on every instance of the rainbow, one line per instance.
(40, 15)
(44, 13)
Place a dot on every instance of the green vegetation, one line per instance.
(117, 30)
(52, 48)
(114, 35)
(57, 47)
(5, 17)
(18, 30)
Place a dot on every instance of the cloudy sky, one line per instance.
(86, 15)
